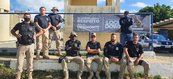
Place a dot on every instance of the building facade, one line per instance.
(87, 6)
(4, 20)
(7, 21)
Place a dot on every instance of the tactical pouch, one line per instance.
(26, 40)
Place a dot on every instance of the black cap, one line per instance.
(126, 12)
(54, 8)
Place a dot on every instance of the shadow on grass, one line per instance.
(72, 75)
(8, 73)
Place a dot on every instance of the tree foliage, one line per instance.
(160, 12)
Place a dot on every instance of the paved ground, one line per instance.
(162, 58)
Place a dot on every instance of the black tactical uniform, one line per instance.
(125, 23)
(111, 50)
(92, 45)
(72, 48)
(27, 31)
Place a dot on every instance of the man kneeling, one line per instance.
(113, 52)
(72, 48)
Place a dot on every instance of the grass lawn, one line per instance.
(7, 73)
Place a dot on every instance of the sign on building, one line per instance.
(109, 23)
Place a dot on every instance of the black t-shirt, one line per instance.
(55, 19)
(125, 23)
(113, 50)
(92, 45)
(134, 50)
(72, 47)
(27, 31)
(43, 21)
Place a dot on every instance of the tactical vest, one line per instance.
(27, 32)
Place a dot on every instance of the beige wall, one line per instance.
(90, 2)
(109, 2)
(14, 19)
(5, 4)
(4, 20)
(4, 27)
(83, 2)
(7, 21)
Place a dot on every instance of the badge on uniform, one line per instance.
(56, 18)
(117, 48)
(47, 19)
(30, 29)
(75, 45)
(137, 49)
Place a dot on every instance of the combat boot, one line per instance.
(30, 75)
(79, 74)
(18, 75)
(98, 75)
(91, 75)
(66, 75)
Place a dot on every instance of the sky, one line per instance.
(130, 5)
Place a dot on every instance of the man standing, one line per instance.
(134, 53)
(93, 48)
(25, 39)
(72, 48)
(126, 33)
(42, 22)
(113, 52)
(56, 21)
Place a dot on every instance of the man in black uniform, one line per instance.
(43, 22)
(126, 33)
(72, 48)
(93, 48)
(113, 52)
(25, 39)
(134, 53)
(56, 21)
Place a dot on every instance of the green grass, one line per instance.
(7, 73)
(157, 77)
